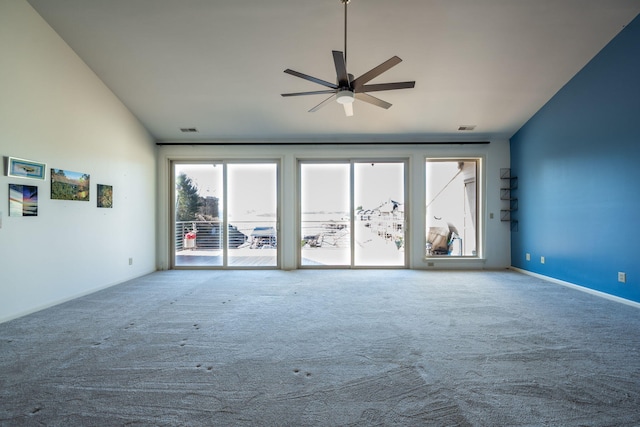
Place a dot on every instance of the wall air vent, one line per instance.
(188, 130)
(466, 127)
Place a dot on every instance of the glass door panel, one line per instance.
(379, 220)
(252, 204)
(198, 215)
(325, 208)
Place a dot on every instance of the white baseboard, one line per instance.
(578, 287)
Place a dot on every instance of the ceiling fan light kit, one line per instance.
(347, 89)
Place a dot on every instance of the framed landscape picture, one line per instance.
(23, 200)
(21, 168)
(105, 196)
(68, 185)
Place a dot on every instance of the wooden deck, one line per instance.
(236, 258)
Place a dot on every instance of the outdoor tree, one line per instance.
(189, 201)
(210, 207)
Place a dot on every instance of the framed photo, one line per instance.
(23, 200)
(105, 196)
(21, 168)
(68, 185)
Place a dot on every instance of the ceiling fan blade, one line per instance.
(348, 109)
(315, 92)
(322, 104)
(386, 86)
(311, 79)
(372, 100)
(375, 72)
(341, 68)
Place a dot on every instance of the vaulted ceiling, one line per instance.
(217, 66)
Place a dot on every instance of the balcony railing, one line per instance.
(209, 235)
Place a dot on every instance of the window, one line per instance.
(451, 207)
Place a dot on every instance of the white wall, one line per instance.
(496, 252)
(54, 109)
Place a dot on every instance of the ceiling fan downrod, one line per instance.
(345, 2)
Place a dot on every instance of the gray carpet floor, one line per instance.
(325, 348)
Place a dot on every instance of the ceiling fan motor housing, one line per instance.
(345, 97)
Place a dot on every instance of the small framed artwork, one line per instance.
(105, 196)
(23, 200)
(68, 185)
(21, 168)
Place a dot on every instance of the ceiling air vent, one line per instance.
(466, 127)
(188, 130)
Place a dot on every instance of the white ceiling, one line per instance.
(218, 65)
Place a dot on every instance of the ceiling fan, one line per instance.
(347, 88)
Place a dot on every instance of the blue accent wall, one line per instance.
(578, 166)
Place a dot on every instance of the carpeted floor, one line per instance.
(325, 348)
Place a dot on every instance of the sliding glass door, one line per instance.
(225, 214)
(379, 221)
(352, 214)
(252, 215)
(325, 214)
(198, 214)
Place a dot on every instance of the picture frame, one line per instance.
(23, 200)
(22, 168)
(69, 185)
(105, 196)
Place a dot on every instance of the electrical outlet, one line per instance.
(622, 277)
(541, 260)
(490, 215)
(130, 261)
(527, 257)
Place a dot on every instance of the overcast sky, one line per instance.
(325, 187)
